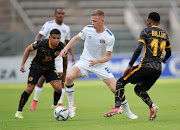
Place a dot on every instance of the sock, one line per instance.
(37, 92)
(23, 100)
(56, 97)
(119, 92)
(62, 96)
(70, 94)
(143, 95)
(125, 106)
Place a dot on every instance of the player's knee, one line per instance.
(30, 88)
(58, 89)
(137, 90)
(69, 78)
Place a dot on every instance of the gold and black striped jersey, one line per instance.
(155, 41)
(45, 54)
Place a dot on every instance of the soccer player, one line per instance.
(155, 41)
(65, 37)
(43, 64)
(98, 47)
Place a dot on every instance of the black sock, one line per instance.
(23, 100)
(119, 95)
(56, 97)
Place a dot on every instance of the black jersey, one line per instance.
(45, 54)
(155, 41)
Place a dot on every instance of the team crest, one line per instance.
(56, 53)
(30, 78)
(102, 41)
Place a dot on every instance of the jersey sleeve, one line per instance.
(110, 44)
(168, 45)
(44, 29)
(143, 36)
(82, 34)
(68, 37)
(36, 45)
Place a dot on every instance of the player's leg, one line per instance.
(33, 77)
(56, 84)
(59, 69)
(60, 102)
(141, 90)
(51, 76)
(37, 92)
(24, 97)
(73, 74)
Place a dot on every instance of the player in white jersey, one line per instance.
(65, 37)
(98, 47)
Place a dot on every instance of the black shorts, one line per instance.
(35, 73)
(143, 76)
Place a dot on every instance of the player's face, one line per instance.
(55, 39)
(59, 15)
(97, 21)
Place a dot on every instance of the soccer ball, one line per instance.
(61, 113)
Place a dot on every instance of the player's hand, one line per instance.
(73, 60)
(92, 62)
(63, 52)
(22, 69)
(127, 71)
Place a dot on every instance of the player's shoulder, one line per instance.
(65, 25)
(50, 22)
(61, 44)
(109, 32)
(89, 27)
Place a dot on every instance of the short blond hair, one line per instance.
(98, 12)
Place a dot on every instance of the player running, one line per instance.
(98, 47)
(155, 41)
(43, 64)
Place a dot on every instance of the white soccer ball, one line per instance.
(61, 113)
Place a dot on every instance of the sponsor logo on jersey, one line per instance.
(102, 41)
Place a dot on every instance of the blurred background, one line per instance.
(21, 20)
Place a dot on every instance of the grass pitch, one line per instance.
(93, 99)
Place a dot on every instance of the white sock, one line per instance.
(62, 96)
(19, 112)
(70, 95)
(37, 92)
(125, 106)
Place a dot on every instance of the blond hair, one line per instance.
(98, 12)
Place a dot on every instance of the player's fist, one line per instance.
(22, 69)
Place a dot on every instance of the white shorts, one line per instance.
(100, 70)
(59, 64)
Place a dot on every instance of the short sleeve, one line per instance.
(44, 29)
(36, 45)
(82, 34)
(168, 45)
(110, 44)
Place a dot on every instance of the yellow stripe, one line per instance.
(140, 40)
(132, 72)
(65, 55)
(32, 46)
(155, 26)
(168, 46)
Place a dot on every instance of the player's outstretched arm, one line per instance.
(71, 43)
(25, 56)
(71, 53)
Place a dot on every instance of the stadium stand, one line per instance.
(78, 15)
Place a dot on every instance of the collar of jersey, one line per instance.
(51, 46)
(155, 26)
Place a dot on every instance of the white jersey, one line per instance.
(96, 44)
(50, 25)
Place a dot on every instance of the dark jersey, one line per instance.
(46, 54)
(155, 41)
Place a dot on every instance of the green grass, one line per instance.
(93, 99)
